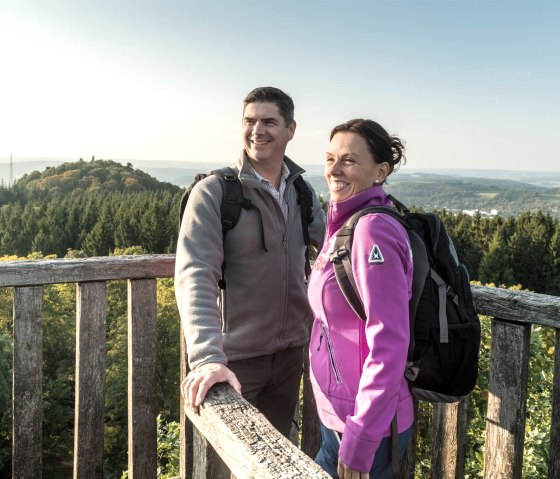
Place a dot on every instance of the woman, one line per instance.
(357, 367)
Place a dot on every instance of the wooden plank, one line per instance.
(29, 273)
(185, 426)
(249, 445)
(142, 426)
(505, 426)
(27, 383)
(207, 464)
(519, 306)
(89, 418)
(310, 428)
(554, 449)
(449, 430)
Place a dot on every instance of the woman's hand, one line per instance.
(344, 472)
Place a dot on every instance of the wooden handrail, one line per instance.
(226, 420)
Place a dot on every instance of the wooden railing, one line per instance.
(245, 441)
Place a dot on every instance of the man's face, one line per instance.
(265, 133)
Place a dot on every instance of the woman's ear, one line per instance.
(382, 172)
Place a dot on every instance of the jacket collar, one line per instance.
(340, 211)
(246, 172)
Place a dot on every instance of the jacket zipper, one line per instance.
(334, 365)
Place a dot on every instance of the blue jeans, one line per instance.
(327, 457)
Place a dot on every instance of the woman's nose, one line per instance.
(333, 168)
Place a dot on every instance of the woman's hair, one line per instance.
(383, 147)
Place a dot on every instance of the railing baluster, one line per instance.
(310, 432)
(507, 400)
(27, 383)
(207, 463)
(91, 313)
(142, 335)
(449, 431)
(554, 454)
(185, 426)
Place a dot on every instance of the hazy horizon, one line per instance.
(467, 84)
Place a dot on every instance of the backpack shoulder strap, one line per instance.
(305, 200)
(233, 199)
(186, 194)
(341, 257)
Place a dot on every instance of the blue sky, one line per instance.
(467, 84)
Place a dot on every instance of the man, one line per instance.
(253, 337)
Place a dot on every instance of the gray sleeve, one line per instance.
(197, 270)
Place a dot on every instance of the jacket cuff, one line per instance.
(356, 452)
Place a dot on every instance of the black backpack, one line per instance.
(442, 363)
(233, 202)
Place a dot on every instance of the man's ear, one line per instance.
(292, 128)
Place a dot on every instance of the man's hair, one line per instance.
(269, 94)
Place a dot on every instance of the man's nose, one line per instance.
(258, 127)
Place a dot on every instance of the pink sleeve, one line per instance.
(382, 268)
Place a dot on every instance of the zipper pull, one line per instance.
(320, 341)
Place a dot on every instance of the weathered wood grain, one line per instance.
(505, 426)
(519, 306)
(554, 451)
(27, 383)
(310, 430)
(39, 272)
(142, 334)
(449, 430)
(185, 426)
(247, 442)
(89, 418)
(206, 461)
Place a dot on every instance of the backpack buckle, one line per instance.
(337, 255)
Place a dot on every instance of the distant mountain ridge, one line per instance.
(508, 192)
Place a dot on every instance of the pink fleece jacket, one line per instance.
(357, 367)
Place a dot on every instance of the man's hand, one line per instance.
(198, 382)
(344, 472)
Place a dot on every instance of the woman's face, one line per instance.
(350, 167)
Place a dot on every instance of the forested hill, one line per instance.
(90, 176)
(88, 208)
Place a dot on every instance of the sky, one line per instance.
(467, 84)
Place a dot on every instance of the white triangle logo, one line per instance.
(375, 257)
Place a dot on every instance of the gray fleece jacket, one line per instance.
(264, 307)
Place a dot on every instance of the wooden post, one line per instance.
(185, 426)
(310, 429)
(505, 426)
(554, 450)
(89, 417)
(27, 383)
(449, 431)
(142, 334)
(207, 463)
